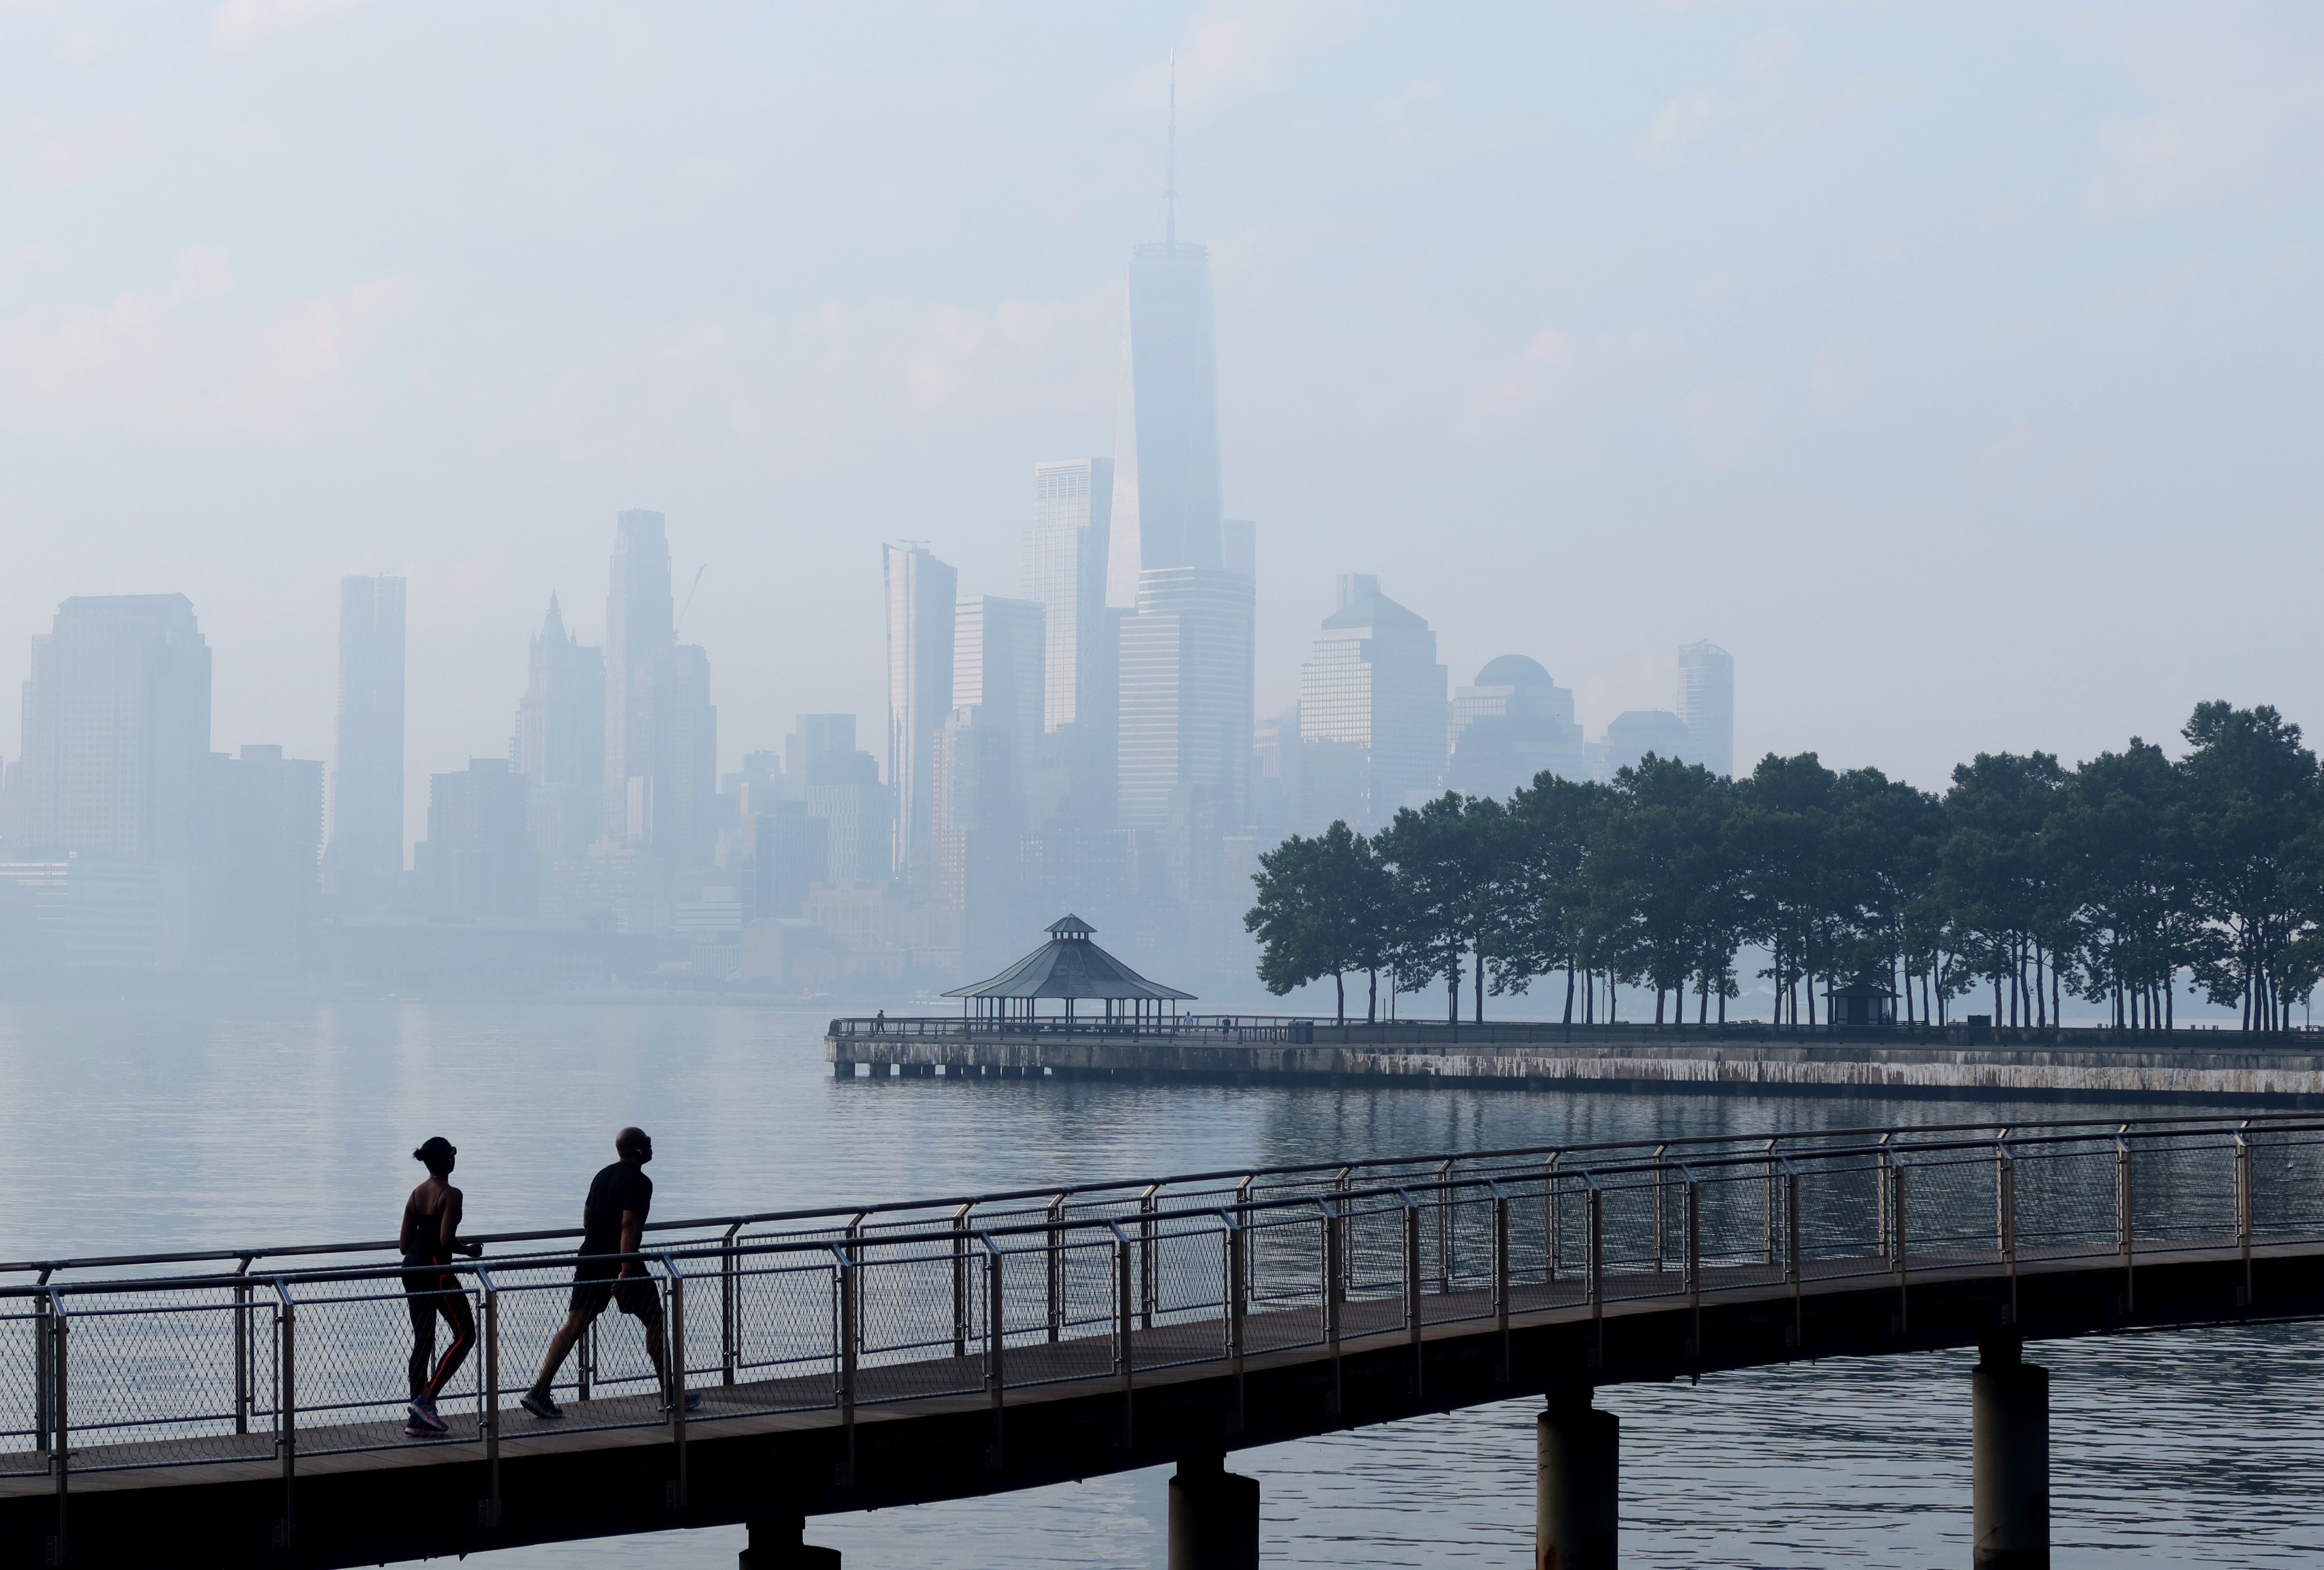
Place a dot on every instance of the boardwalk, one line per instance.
(926, 1350)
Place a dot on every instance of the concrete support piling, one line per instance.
(1578, 1485)
(1214, 1517)
(2010, 1424)
(778, 1543)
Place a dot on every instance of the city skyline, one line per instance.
(2001, 348)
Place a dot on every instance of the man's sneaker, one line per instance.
(423, 1415)
(413, 1428)
(693, 1401)
(537, 1403)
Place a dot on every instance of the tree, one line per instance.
(1447, 861)
(1998, 881)
(1551, 823)
(2252, 792)
(1661, 859)
(1321, 910)
(1783, 816)
(2117, 845)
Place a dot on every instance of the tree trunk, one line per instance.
(1569, 992)
(1480, 982)
(1340, 986)
(1658, 1003)
(1371, 998)
(2170, 988)
(1703, 1009)
(1453, 989)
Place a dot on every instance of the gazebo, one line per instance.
(1068, 966)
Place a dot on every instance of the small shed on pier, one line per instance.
(1865, 1002)
(1071, 967)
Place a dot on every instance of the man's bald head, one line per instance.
(633, 1144)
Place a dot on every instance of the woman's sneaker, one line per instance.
(537, 1403)
(424, 1420)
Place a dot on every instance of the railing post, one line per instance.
(2125, 1216)
(1549, 1229)
(1502, 1274)
(1447, 1245)
(1125, 1350)
(844, 1282)
(1330, 1297)
(1243, 1239)
(286, 1363)
(1056, 1254)
(43, 1371)
(1234, 1306)
(673, 1358)
(1149, 1269)
(1880, 1221)
(1767, 1203)
(960, 1288)
(2005, 1186)
(1693, 1263)
(1412, 1284)
(492, 1403)
(1661, 1178)
(242, 1347)
(584, 1361)
(730, 1293)
(1596, 1243)
(61, 1421)
(1339, 1278)
(996, 1339)
(1792, 1250)
(1896, 1225)
(2243, 1213)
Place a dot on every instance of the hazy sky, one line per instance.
(1955, 367)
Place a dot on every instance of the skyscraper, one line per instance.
(1706, 703)
(560, 740)
(477, 860)
(921, 591)
(1065, 556)
(116, 734)
(1186, 699)
(367, 850)
(841, 785)
(998, 667)
(1635, 732)
(1165, 477)
(661, 731)
(1371, 709)
(1512, 724)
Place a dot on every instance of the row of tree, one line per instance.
(2108, 881)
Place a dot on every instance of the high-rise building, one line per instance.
(259, 890)
(117, 734)
(841, 785)
(477, 859)
(997, 668)
(1065, 557)
(367, 850)
(661, 731)
(1706, 703)
(1635, 732)
(1186, 699)
(1166, 479)
(560, 741)
(1274, 812)
(1371, 709)
(790, 854)
(921, 591)
(1511, 725)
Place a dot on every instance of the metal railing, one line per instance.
(835, 1310)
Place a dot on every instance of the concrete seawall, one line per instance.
(2242, 1075)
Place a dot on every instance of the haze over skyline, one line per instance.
(1953, 371)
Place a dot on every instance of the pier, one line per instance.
(2071, 1065)
(245, 1406)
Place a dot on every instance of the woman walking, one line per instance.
(431, 1236)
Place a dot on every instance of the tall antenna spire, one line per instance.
(1170, 197)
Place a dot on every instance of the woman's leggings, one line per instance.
(440, 1295)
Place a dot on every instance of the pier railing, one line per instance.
(149, 1364)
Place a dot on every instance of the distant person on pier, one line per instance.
(879, 1022)
(431, 1237)
(613, 1223)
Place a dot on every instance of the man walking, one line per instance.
(613, 1223)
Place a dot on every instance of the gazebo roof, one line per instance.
(1070, 965)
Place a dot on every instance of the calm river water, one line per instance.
(152, 1127)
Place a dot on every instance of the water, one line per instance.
(157, 1126)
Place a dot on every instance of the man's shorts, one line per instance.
(596, 1284)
